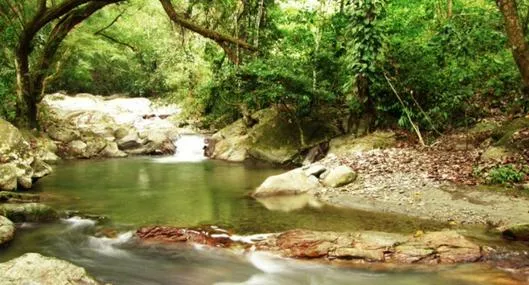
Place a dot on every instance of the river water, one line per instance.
(186, 190)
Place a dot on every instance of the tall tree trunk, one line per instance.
(26, 113)
(450, 8)
(515, 33)
(368, 115)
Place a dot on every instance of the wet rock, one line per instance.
(17, 197)
(290, 183)
(20, 166)
(7, 230)
(516, 232)
(33, 268)
(28, 212)
(207, 236)
(444, 247)
(289, 203)
(339, 176)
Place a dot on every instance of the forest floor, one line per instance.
(438, 183)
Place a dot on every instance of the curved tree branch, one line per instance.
(210, 34)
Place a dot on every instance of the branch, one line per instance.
(413, 125)
(114, 40)
(210, 34)
(59, 32)
(111, 23)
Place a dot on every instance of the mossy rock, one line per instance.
(28, 212)
(504, 134)
(8, 196)
(516, 232)
(351, 144)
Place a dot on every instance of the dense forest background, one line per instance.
(435, 63)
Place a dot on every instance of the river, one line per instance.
(187, 190)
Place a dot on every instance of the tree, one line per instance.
(30, 77)
(515, 33)
(222, 40)
(365, 41)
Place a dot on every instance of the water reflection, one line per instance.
(289, 203)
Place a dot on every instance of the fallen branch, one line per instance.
(413, 125)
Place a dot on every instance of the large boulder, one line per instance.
(86, 126)
(290, 183)
(7, 230)
(20, 165)
(339, 176)
(33, 268)
(275, 137)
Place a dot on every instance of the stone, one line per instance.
(516, 232)
(314, 170)
(495, 153)
(28, 212)
(7, 230)
(339, 176)
(20, 165)
(444, 247)
(350, 144)
(33, 268)
(8, 177)
(87, 126)
(293, 182)
(274, 137)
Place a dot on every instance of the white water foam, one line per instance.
(108, 246)
(78, 222)
(189, 148)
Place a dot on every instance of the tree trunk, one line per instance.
(368, 115)
(515, 33)
(449, 12)
(26, 115)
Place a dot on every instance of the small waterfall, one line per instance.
(189, 148)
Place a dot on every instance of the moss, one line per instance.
(6, 196)
(29, 212)
(517, 232)
(505, 132)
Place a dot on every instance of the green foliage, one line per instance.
(365, 38)
(505, 174)
(455, 69)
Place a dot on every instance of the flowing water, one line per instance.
(186, 190)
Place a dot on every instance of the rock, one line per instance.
(16, 197)
(7, 230)
(516, 232)
(339, 176)
(19, 162)
(289, 203)
(8, 177)
(444, 247)
(290, 183)
(495, 153)
(508, 134)
(207, 236)
(275, 137)
(87, 126)
(314, 170)
(350, 144)
(28, 212)
(112, 150)
(33, 268)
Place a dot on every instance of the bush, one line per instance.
(505, 174)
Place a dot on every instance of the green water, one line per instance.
(146, 191)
